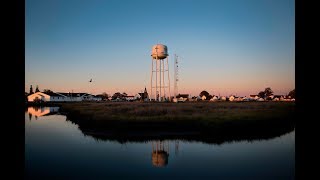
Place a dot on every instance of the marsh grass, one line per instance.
(205, 121)
(196, 115)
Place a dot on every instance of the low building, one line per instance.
(223, 98)
(144, 96)
(82, 97)
(214, 98)
(46, 97)
(129, 98)
(61, 97)
(182, 97)
(231, 98)
(254, 97)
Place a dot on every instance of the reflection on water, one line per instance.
(57, 148)
(41, 111)
(160, 153)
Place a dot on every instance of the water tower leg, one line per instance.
(160, 79)
(156, 80)
(164, 87)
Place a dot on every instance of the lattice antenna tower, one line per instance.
(176, 75)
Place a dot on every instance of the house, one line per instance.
(260, 99)
(193, 98)
(80, 97)
(46, 97)
(214, 98)
(75, 96)
(102, 96)
(203, 97)
(129, 98)
(238, 98)
(223, 98)
(144, 96)
(276, 99)
(254, 97)
(182, 97)
(231, 98)
(61, 97)
(137, 96)
(94, 98)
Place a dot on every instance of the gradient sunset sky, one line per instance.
(224, 46)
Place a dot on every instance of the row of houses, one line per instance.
(74, 97)
(257, 98)
(50, 96)
(185, 97)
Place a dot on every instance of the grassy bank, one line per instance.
(194, 119)
(176, 112)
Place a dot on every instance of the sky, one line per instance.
(225, 47)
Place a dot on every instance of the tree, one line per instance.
(292, 93)
(47, 91)
(37, 89)
(268, 92)
(262, 94)
(204, 93)
(105, 96)
(31, 90)
(117, 95)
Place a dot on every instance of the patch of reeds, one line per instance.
(210, 122)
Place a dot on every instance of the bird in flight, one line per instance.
(90, 80)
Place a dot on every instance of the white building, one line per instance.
(130, 98)
(61, 97)
(214, 98)
(231, 98)
(46, 97)
(223, 98)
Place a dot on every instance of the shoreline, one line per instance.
(207, 122)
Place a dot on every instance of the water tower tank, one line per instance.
(160, 158)
(159, 50)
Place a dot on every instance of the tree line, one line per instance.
(262, 94)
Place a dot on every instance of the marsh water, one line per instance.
(56, 148)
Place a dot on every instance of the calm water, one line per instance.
(56, 148)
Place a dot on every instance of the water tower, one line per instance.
(160, 89)
(160, 153)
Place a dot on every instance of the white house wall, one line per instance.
(41, 96)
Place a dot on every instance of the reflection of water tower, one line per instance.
(159, 88)
(160, 153)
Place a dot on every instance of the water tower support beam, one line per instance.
(156, 80)
(164, 87)
(160, 78)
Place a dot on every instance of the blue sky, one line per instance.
(225, 47)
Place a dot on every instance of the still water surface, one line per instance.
(56, 148)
